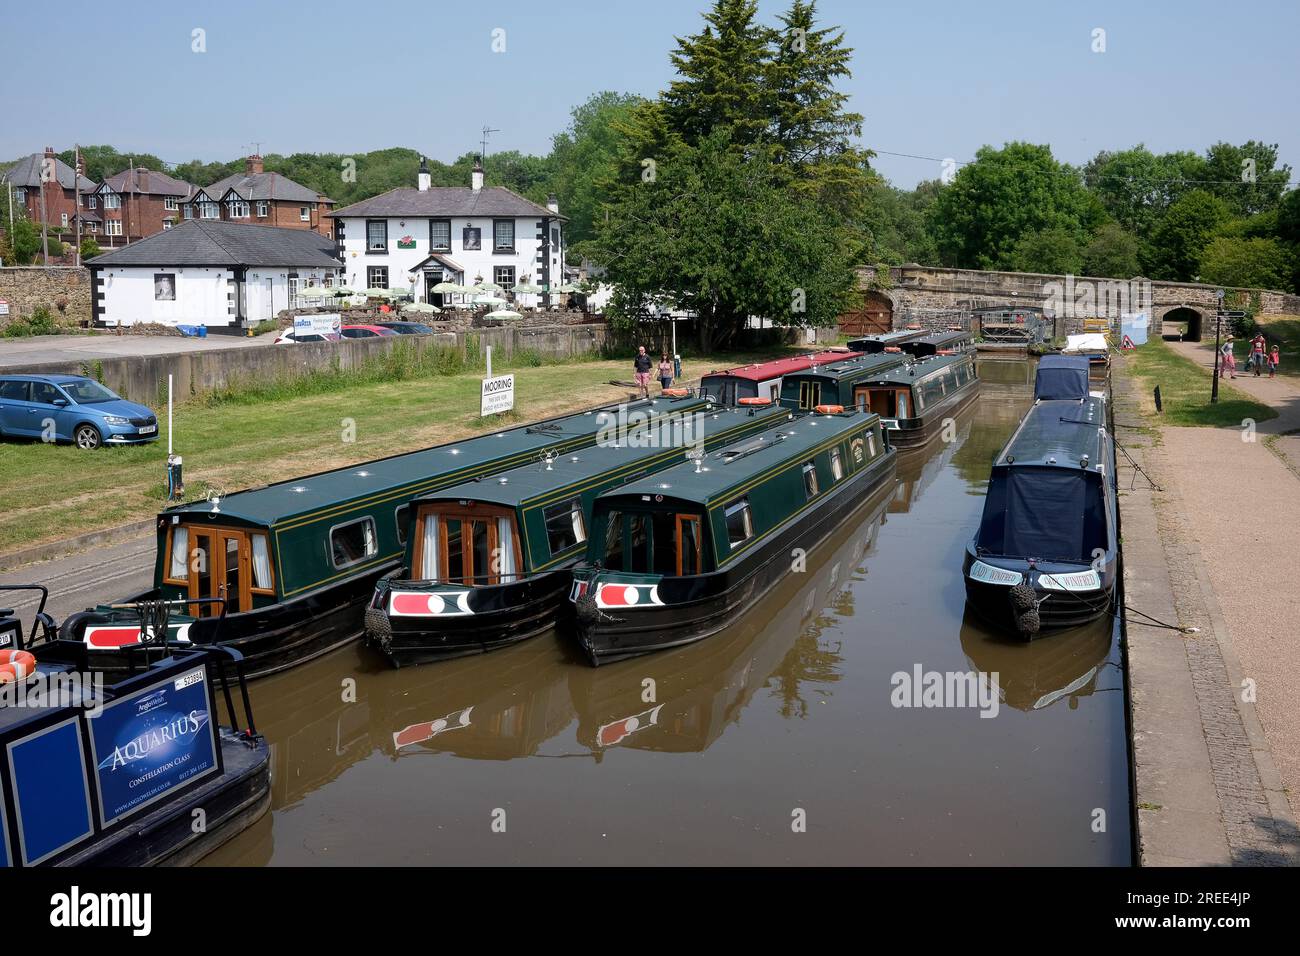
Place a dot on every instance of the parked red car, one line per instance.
(364, 331)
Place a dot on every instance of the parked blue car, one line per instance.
(81, 411)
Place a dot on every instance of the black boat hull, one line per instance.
(697, 607)
(918, 432)
(1057, 608)
(503, 615)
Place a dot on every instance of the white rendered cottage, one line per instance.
(415, 238)
(209, 272)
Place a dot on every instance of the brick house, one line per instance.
(136, 203)
(65, 191)
(261, 198)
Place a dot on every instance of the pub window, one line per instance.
(377, 277)
(440, 235)
(503, 235)
(402, 516)
(837, 464)
(377, 235)
(810, 479)
(504, 276)
(353, 542)
(740, 524)
(564, 527)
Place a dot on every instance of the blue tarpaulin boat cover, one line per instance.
(1062, 377)
(1046, 513)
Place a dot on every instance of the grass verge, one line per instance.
(1185, 389)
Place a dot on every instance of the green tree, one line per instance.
(1136, 186)
(585, 155)
(1112, 253)
(1247, 263)
(717, 233)
(24, 242)
(1006, 194)
(1175, 250)
(1246, 177)
(89, 248)
(721, 82)
(1055, 251)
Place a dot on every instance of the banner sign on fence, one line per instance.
(498, 395)
(327, 325)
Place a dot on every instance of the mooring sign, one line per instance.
(498, 395)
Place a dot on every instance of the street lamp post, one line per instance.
(1218, 327)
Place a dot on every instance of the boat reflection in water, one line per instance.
(919, 467)
(1074, 664)
(700, 690)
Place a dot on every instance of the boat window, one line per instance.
(429, 547)
(871, 445)
(402, 518)
(261, 562)
(455, 547)
(689, 548)
(613, 559)
(774, 391)
(810, 479)
(564, 525)
(837, 464)
(920, 401)
(638, 555)
(902, 403)
(233, 577)
(480, 551)
(740, 524)
(178, 568)
(353, 542)
(503, 562)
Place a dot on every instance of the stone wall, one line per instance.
(143, 378)
(64, 290)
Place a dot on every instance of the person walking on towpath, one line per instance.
(641, 364)
(1257, 351)
(665, 372)
(1227, 362)
(1274, 358)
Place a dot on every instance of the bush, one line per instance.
(266, 325)
(39, 322)
(89, 248)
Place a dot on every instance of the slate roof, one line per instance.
(258, 186)
(27, 173)
(212, 242)
(148, 182)
(446, 202)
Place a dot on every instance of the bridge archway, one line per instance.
(1186, 321)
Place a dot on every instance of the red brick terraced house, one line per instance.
(65, 191)
(135, 204)
(262, 199)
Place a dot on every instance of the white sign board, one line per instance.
(4, 306)
(498, 395)
(327, 325)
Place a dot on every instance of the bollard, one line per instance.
(1160, 408)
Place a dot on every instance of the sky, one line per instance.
(935, 79)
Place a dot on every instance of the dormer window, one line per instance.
(209, 210)
(238, 209)
(112, 201)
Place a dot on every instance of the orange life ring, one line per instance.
(754, 401)
(828, 409)
(946, 352)
(676, 392)
(16, 665)
(892, 348)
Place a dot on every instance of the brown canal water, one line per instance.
(778, 741)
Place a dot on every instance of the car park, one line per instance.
(407, 328)
(364, 331)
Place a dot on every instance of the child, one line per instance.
(1227, 363)
(1273, 359)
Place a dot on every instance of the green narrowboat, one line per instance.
(678, 556)
(914, 400)
(873, 344)
(833, 384)
(938, 343)
(295, 563)
(488, 561)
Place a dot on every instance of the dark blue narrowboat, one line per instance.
(936, 343)
(873, 344)
(914, 400)
(1046, 554)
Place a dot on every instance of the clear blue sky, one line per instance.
(934, 78)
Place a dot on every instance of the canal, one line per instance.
(781, 740)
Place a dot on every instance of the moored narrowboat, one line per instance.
(488, 561)
(678, 556)
(914, 400)
(115, 773)
(834, 384)
(873, 344)
(953, 340)
(296, 562)
(1046, 554)
(747, 383)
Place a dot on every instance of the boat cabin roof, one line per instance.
(1061, 376)
(932, 343)
(283, 500)
(851, 369)
(882, 340)
(913, 373)
(733, 466)
(763, 371)
(516, 487)
(1058, 433)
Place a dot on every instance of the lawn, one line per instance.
(1185, 389)
(271, 431)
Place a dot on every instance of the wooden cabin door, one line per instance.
(689, 549)
(219, 561)
(470, 549)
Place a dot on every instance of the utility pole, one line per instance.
(76, 192)
(45, 236)
(1218, 327)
